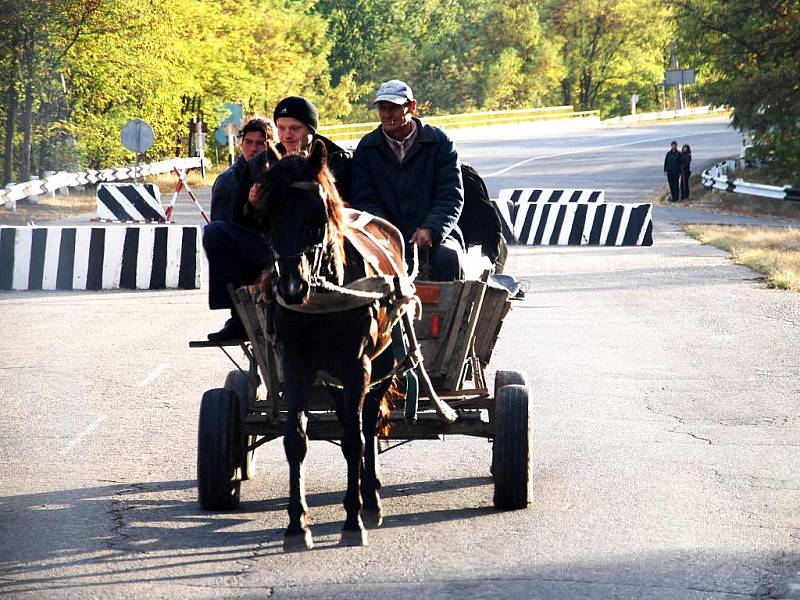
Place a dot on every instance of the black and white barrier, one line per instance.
(716, 177)
(93, 258)
(130, 202)
(577, 224)
(517, 196)
(14, 192)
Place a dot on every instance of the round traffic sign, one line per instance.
(137, 136)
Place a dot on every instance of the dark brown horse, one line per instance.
(313, 243)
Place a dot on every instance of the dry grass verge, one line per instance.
(771, 251)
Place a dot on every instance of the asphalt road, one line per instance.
(665, 383)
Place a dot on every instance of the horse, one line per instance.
(311, 238)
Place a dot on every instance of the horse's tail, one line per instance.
(387, 403)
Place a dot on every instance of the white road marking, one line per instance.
(154, 374)
(597, 149)
(81, 436)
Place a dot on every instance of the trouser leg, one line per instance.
(672, 178)
(446, 260)
(236, 255)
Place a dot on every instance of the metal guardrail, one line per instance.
(667, 115)
(716, 178)
(476, 119)
(18, 191)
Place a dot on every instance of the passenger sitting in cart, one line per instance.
(408, 173)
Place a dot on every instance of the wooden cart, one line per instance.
(456, 335)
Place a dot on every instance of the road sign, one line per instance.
(235, 117)
(137, 136)
(679, 76)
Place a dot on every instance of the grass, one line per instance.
(772, 251)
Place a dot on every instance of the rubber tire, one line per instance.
(239, 384)
(218, 451)
(513, 444)
(504, 378)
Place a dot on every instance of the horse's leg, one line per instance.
(372, 513)
(355, 380)
(295, 442)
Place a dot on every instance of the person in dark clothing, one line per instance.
(686, 170)
(237, 251)
(408, 173)
(297, 121)
(672, 169)
(225, 197)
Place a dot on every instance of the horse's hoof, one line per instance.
(354, 537)
(298, 542)
(372, 518)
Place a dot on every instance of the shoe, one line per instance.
(232, 331)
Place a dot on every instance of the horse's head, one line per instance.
(300, 206)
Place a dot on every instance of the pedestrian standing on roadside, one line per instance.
(686, 170)
(672, 169)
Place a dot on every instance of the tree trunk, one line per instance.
(12, 99)
(566, 91)
(27, 132)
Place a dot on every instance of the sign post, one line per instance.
(138, 137)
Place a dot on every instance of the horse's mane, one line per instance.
(335, 206)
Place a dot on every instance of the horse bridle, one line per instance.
(319, 248)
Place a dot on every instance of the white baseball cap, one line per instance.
(394, 91)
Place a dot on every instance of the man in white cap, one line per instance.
(408, 173)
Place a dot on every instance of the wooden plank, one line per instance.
(452, 327)
(496, 307)
(457, 363)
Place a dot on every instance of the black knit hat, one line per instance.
(298, 108)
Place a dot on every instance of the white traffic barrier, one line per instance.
(516, 196)
(577, 224)
(94, 258)
(716, 177)
(18, 191)
(584, 224)
(130, 202)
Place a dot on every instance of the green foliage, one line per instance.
(72, 72)
(611, 49)
(751, 64)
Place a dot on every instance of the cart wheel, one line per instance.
(501, 380)
(513, 481)
(218, 451)
(239, 383)
(504, 378)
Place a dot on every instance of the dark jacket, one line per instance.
(424, 190)
(672, 161)
(686, 162)
(225, 201)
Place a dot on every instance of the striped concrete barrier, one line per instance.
(93, 258)
(586, 224)
(129, 202)
(519, 195)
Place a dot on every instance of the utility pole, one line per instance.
(678, 87)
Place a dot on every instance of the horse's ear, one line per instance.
(318, 157)
(273, 154)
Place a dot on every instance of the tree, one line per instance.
(750, 64)
(610, 48)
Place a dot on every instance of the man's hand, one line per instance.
(252, 197)
(423, 238)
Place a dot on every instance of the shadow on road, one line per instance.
(156, 531)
